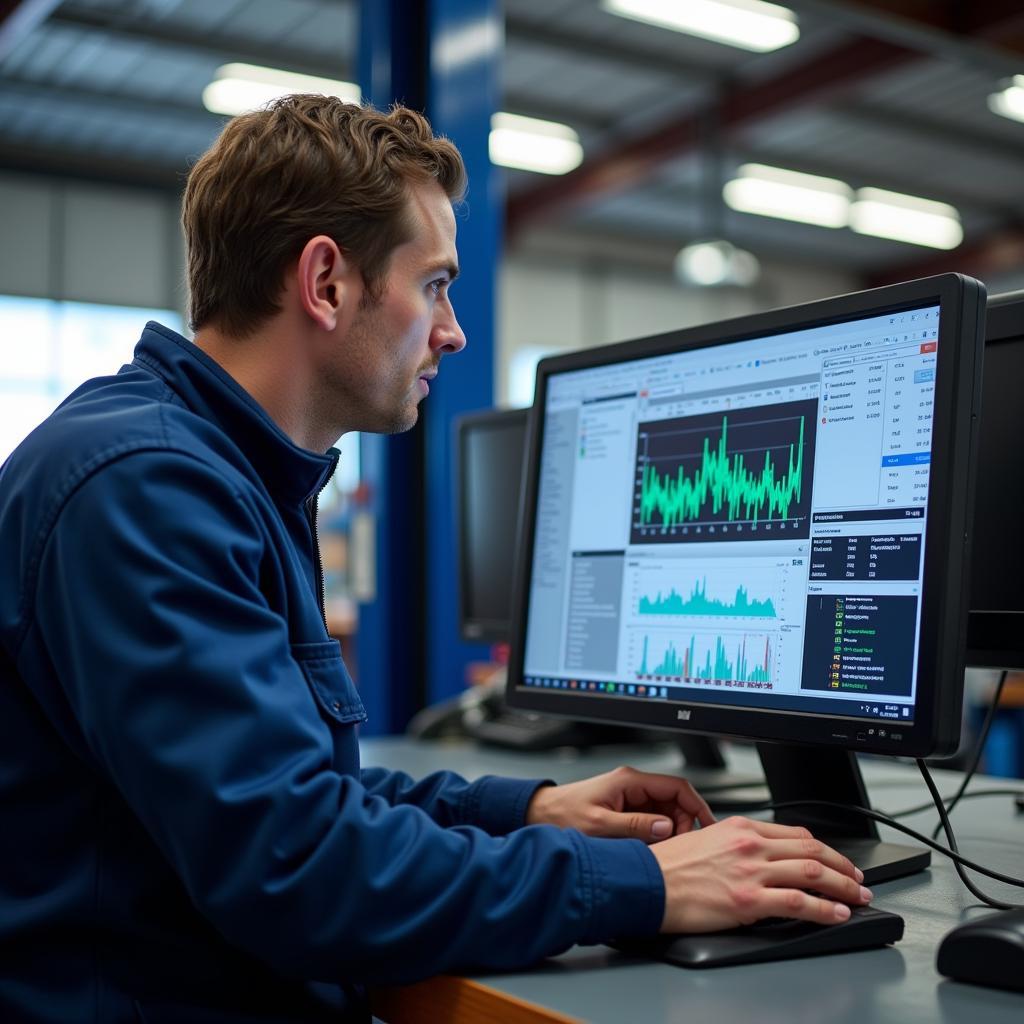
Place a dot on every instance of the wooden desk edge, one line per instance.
(452, 1000)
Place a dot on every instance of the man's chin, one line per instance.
(408, 420)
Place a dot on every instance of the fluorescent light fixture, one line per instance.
(747, 24)
(238, 88)
(528, 144)
(1009, 102)
(709, 264)
(906, 219)
(789, 195)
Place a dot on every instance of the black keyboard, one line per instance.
(773, 938)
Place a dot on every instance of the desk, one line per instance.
(595, 983)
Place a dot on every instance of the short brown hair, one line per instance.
(306, 165)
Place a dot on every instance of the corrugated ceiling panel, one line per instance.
(333, 34)
(37, 55)
(268, 20)
(203, 15)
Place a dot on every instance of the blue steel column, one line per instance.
(390, 645)
(466, 41)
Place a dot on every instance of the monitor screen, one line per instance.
(491, 448)
(995, 632)
(757, 528)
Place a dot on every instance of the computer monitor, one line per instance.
(757, 528)
(995, 626)
(490, 448)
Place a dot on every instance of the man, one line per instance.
(185, 831)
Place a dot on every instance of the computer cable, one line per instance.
(975, 794)
(951, 839)
(979, 749)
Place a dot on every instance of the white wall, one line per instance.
(90, 243)
(568, 300)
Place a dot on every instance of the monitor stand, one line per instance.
(704, 766)
(825, 773)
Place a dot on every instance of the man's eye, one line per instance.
(438, 286)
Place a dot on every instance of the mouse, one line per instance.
(986, 951)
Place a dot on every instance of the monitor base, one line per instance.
(880, 861)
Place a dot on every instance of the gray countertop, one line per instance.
(898, 983)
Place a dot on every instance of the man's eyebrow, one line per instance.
(451, 269)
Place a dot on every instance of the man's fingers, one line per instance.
(800, 835)
(772, 830)
(650, 828)
(669, 789)
(811, 874)
(801, 905)
(795, 849)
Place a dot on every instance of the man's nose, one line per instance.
(447, 336)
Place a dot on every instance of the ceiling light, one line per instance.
(531, 145)
(748, 24)
(906, 219)
(776, 192)
(709, 264)
(1009, 102)
(238, 88)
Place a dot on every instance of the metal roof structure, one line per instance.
(891, 95)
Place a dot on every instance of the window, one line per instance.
(48, 348)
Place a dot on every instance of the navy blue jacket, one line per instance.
(185, 831)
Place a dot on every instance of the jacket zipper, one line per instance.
(311, 515)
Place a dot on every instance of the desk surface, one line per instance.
(898, 983)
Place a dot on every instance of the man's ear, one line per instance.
(326, 281)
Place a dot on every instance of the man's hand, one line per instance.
(738, 871)
(623, 803)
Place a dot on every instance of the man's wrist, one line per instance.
(536, 809)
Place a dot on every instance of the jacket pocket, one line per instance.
(328, 678)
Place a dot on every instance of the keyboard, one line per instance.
(770, 939)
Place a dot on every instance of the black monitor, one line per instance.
(757, 528)
(490, 450)
(995, 627)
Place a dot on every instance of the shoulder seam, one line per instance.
(84, 473)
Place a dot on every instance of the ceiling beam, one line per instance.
(113, 103)
(62, 163)
(986, 19)
(979, 33)
(816, 81)
(18, 18)
(917, 126)
(219, 46)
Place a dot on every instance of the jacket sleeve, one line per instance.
(183, 683)
(496, 805)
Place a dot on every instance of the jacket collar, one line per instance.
(207, 389)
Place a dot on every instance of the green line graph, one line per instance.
(724, 486)
(698, 603)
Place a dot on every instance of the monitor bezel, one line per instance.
(936, 725)
(995, 637)
(476, 629)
